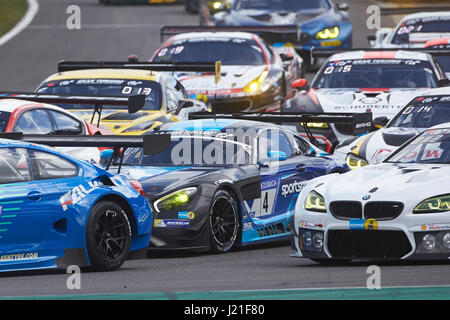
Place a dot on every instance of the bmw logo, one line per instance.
(366, 197)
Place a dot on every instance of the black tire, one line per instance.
(332, 262)
(223, 222)
(108, 236)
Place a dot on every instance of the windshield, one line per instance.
(423, 113)
(428, 25)
(282, 5)
(376, 73)
(229, 51)
(444, 62)
(106, 87)
(433, 146)
(184, 151)
(4, 118)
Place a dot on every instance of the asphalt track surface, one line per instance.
(110, 33)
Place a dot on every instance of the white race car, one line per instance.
(420, 114)
(382, 82)
(413, 31)
(398, 209)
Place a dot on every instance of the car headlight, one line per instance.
(315, 202)
(355, 162)
(328, 33)
(434, 205)
(174, 200)
(256, 84)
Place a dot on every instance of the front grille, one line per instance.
(235, 106)
(346, 210)
(382, 210)
(368, 244)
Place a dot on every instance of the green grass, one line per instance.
(11, 11)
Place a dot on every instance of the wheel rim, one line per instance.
(111, 235)
(224, 224)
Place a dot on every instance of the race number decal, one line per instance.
(269, 190)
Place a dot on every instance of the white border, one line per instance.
(33, 8)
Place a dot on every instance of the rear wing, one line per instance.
(423, 37)
(361, 122)
(150, 66)
(325, 53)
(151, 144)
(134, 103)
(271, 34)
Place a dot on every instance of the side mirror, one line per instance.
(184, 104)
(372, 39)
(273, 156)
(444, 83)
(343, 6)
(300, 84)
(380, 122)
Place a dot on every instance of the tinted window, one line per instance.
(14, 165)
(423, 113)
(429, 25)
(282, 5)
(34, 122)
(376, 73)
(106, 87)
(65, 124)
(229, 51)
(49, 166)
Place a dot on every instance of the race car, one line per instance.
(413, 31)
(395, 210)
(357, 81)
(166, 98)
(31, 113)
(254, 75)
(442, 52)
(59, 211)
(208, 8)
(215, 183)
(320, 23)
(420, 114)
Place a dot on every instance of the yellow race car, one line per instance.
(166, 99)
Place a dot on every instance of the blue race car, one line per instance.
(218, 183)
(56, 211)
(320, 23)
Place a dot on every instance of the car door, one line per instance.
(281, 177)
(21, 212)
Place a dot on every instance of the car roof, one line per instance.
(132, 74)
(212, 35)
(421, 15)
(9, 105)
(382, 54)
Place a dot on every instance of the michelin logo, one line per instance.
(291, 188)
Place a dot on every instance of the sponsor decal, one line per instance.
(269, 184)
(295, 187)
(363, 224)
(220, 181)
(309, 225)
(247, 226)
(435, 227)
(169, 223)
(77, 194)
(19, 256)
(186, 215)
(373, 190)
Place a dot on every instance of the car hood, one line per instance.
(382, 102)
(270, 17)
(393, 182)
(233, 80)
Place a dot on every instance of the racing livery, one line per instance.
(421, 113)
(164, 94)
(58, 211)
(208, 8)
(398, 209)
(413, 31)
(214, 184)
(321, 24)
(382, 82)
(254, 75)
